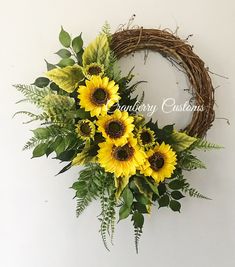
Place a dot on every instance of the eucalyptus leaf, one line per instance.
(164, 201)
(50, 66)
(175, 205)
(140, 207)
(161, 189)
(177, 195)
(64, 38)
(54, 87)
(66, 62)
(41, 82)
(64, 53)
(176, 184)
(77, 44)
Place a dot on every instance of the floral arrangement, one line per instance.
(130, 164)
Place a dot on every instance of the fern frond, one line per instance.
(205, 145)
(137, 232)
(34, 117)
(33, 93)
(88, 186)
(33, 141)
(106, 29)
(189, 162)
(108, 205)
(59, 108)
(193, 192)
(82, 204)
(133, 87)
(107, 217)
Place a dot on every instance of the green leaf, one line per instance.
(66, 155)
(41, 82)
(177, 195)
(138, 219)
(161, 189)
(64, 38)
(56, 143)
(168, 129)
(142, 199)
(66, 62)
(77, 44)
(60, 146)
(152, 186)
(124, 212)
(164, 201)
(66, 78)
(98, 51)
(140, 207)
(127, 197)
(66, 168)
(82, 114)
(54, 87)
(41, 133)
(176, 184)
(40, 150)
(175, 205)
(182, 141)
(120, 184)
(49, 65)
(64, 53)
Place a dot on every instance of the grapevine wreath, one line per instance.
(129, 163)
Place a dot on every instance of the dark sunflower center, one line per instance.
(156, 161)
(94, 70)
(123, 153)
(146, 137)
(100, 96)
(115, 129)
(85, 128)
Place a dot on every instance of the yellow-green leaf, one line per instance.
(120, 184)
(182, 141)
(66, 78)
(97, 51)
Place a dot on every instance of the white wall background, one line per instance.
(38, 226)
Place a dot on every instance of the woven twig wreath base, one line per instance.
(181, 53)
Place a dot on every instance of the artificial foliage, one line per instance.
(129, 163)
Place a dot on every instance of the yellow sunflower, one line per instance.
(116, 127)
(85, 129)
(145, 137)
(121, 160)
(160, 162)
(98, 95)
(93, 69)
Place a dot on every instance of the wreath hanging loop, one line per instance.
(181, 54)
